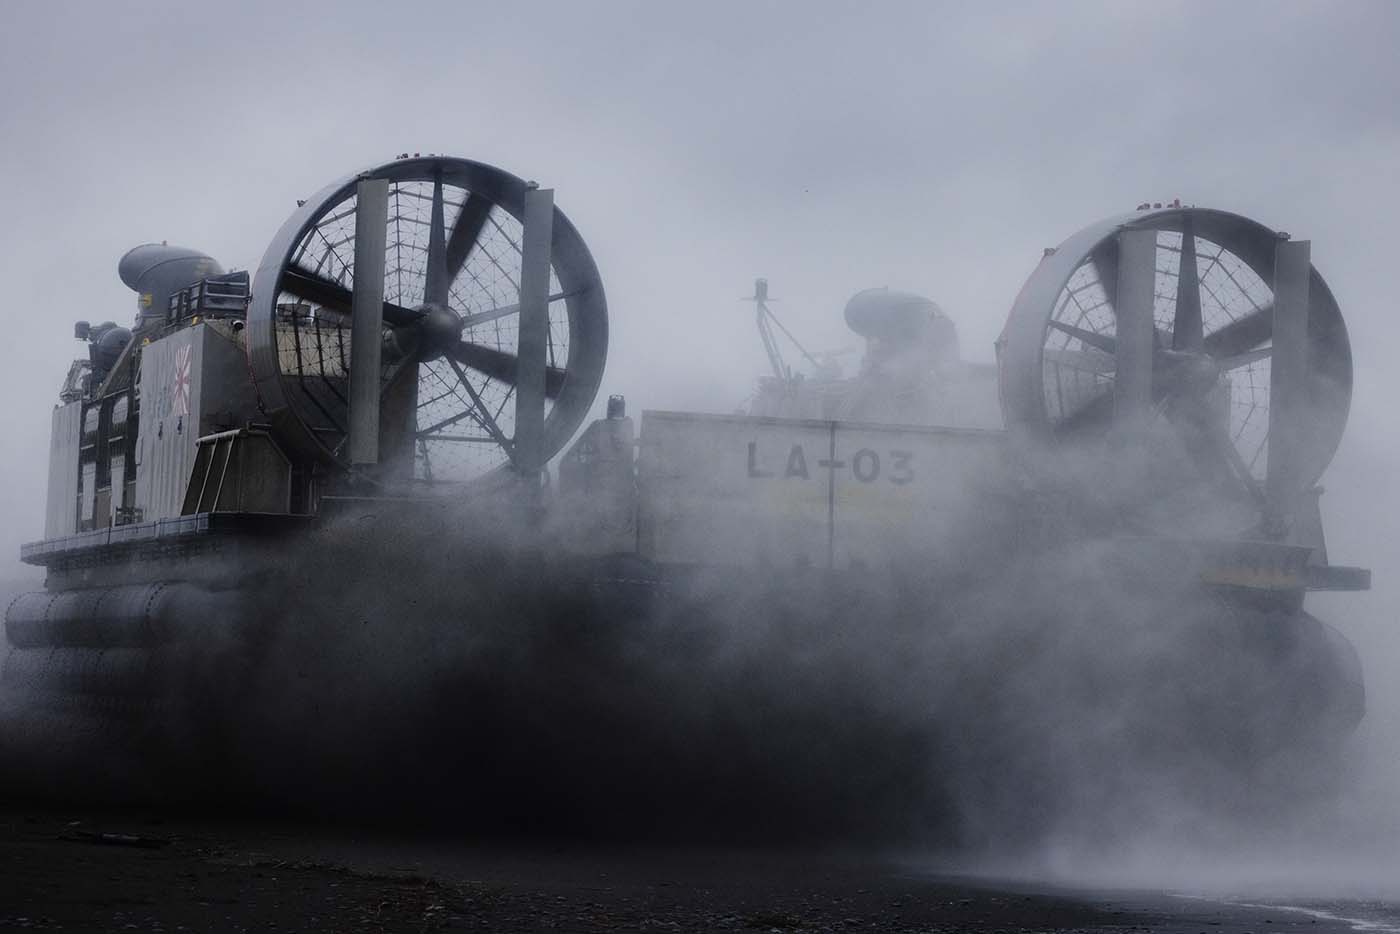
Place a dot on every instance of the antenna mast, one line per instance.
(766, 321)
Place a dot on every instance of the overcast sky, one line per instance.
(829, 147)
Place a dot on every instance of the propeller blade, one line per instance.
(470, 222)
(1244, 333)
(1245, 359)
(502, 366)
(1086, 361)
(1207, 441)
(1220, 439)
(1288, 384)
(1094, 414)
(1187, 331)
(493, 314)
(1136, 339)
(436, 287)
(479, 413)
(319, 290)
(1105, 342)
(367, 319)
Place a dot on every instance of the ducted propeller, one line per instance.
(437, 345)
(1251, 381)
(443, 332)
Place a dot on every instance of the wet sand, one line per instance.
(134, 871)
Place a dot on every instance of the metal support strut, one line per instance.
(533, 347)
(1137, 271)
(367, 318)
(1288, 385)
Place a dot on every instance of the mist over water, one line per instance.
(1341, 843)
(1025, 714)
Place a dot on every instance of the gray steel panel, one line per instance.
(61, 511)
(712, 491)
(595, 511)
(239, 471)
(227, 399)
(170, 393)
(741, 490)
(87, 493)
(193, 382)
(920, 494)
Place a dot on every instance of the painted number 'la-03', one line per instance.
(866, 465)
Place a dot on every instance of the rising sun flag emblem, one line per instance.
(182, 380)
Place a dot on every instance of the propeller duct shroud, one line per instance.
(445, 368)
(1206, 351)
